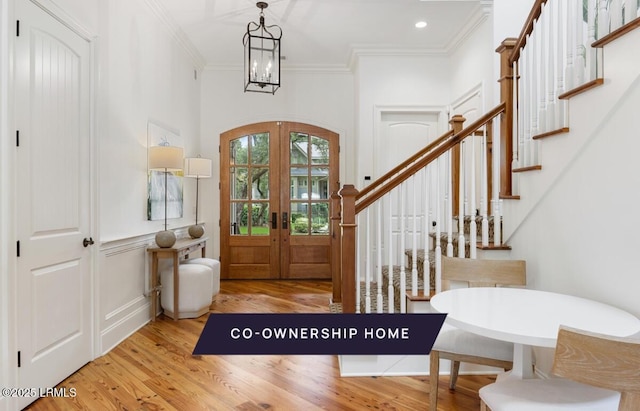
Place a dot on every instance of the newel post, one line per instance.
(336, 259)
(506, 119)
(348, 225)
(456, 122)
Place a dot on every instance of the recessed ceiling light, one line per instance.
(421, 24)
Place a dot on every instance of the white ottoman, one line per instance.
(211, 263)
(194, 294)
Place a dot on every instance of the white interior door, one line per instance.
(402, 134)
(52, 72)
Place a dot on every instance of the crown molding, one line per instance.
(176, 33)
(482, 12)
(362, 51)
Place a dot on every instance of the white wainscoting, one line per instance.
(124, 281)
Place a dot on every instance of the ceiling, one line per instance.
(324, 33)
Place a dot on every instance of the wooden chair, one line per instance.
(462, 346)
(598, 372)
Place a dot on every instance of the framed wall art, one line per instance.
(161, 135)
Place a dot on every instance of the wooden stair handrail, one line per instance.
(527, 29)
(437, 148)
(404, 164)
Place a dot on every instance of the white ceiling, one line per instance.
(324, 33)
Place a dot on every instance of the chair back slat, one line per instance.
(483, 273)
(602, 361)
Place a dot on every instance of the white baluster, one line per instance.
(554, 38)
(414, 246)
(526, 106)
(461, 200)
(403, 272)
(367, 263)
(534, 77)
(438, 247)
(497, 240)
(593, 55)
(379, 254)
(426, 268)
(449, 205)
(630, 10)
(535, 90)
(572, 23)
(543, 71)
(560, 43)
(519, 98)
(603, 18)
(615, 14)
(473, 234)
(358, 265)
(582, 74)
(390, 251)
(484, 203)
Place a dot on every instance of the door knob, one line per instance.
(87, 241)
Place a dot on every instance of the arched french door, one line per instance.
(276, 183)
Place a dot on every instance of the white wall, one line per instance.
(322, 98)
(575, 221)
(402, 80)
(140, 73)
(472, 64)
(144, 76)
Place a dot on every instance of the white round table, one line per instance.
(528, 317)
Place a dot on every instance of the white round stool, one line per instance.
(194, 294)
(211, 263)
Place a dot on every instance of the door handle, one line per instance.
(285, 221)
(87, 242)
(274, 221)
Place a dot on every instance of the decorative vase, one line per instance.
(165, 239)
(196, 231)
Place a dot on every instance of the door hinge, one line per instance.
(219, 150)
(219, 186)
(219, 223)
(17, 28)
(19, 361)
(17, 138)
(17, 248)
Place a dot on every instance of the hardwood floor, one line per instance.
(154, 369)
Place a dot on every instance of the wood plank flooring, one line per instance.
(154, 369)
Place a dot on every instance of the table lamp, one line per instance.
(199, 168)
(165, 158)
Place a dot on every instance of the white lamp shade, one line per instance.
(165, 158)
(197, 167)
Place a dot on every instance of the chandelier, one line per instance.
(262, 55)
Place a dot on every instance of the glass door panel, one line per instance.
(276, 182)
(249, 249)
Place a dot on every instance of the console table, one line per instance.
(181, 249)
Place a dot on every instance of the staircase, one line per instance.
(589, 162)
(394, 278)
(540, 112)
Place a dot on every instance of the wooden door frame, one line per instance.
(282, 202)
(273, 239)
(334, 171)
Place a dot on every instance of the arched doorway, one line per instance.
(276, 183)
